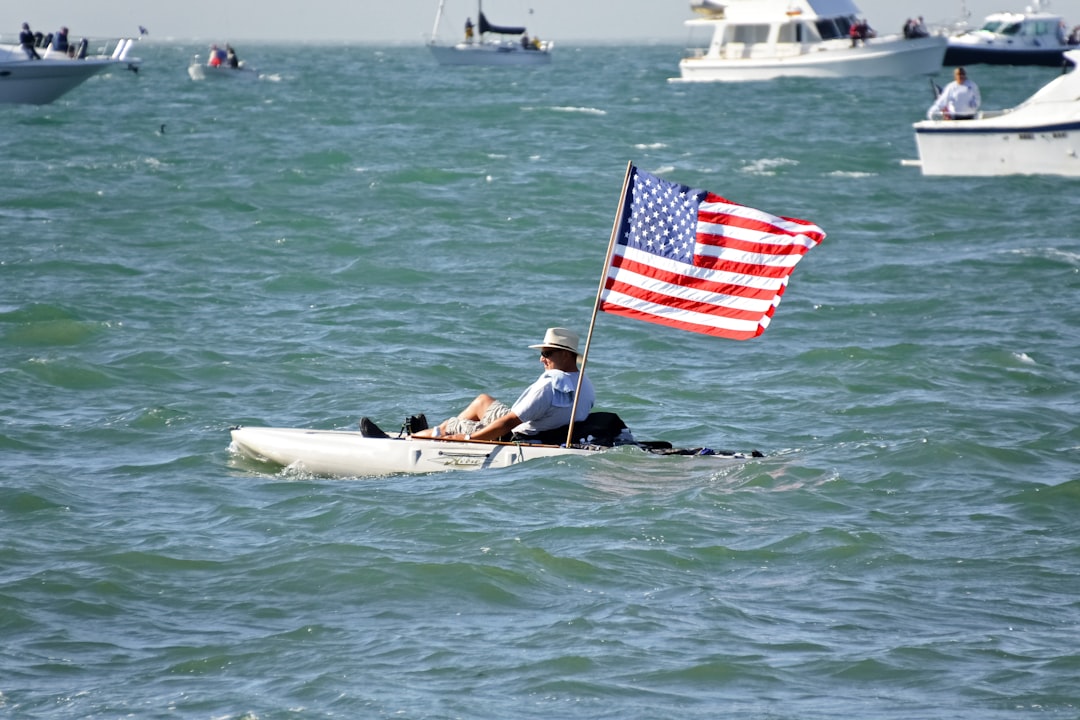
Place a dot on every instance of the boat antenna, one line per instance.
(596, 303)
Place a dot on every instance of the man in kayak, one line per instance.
(545, 405)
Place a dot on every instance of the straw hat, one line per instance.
(559, 339)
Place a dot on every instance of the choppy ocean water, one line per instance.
(363, 233)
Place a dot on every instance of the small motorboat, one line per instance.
(349, 453)
(201, 71)
(1040, 136)
(39, 82)
(221, 63)
(768, 39)
(1005, 38)
(492, 45)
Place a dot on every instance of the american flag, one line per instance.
(692, 260)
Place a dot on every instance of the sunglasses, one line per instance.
(548, 352)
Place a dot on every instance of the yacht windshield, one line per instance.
(1002, 27)
(833, 28)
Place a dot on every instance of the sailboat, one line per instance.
(488, 44)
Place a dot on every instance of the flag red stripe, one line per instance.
(720, 264)
(690, 327)
(754, 246)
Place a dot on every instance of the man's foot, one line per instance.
(370, 430)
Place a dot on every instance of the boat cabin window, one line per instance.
(797, 32)
(748, 34)
(1039, 28)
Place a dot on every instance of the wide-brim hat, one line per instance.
(560, 339)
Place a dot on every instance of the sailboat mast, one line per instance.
(438, 16)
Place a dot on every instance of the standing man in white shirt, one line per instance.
(959, 100)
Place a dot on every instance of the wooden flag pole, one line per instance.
(596, 304)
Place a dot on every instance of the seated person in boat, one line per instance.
(915, 28)
(959, 100)
(231, 58)
(545, 405)
(60, 41)
(217, 56)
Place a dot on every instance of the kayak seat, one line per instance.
(600, 428)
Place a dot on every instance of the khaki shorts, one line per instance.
(456, 426)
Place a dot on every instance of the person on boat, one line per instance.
(916, 28)
(544, 405)
(525, 41)
(468, 29)
(215, 58)
(27, 41)
(857, 33)
(60, 40)
(230, 57)
(959, 100)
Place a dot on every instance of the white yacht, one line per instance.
(41, 81)
(767, 39)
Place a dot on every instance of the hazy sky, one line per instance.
(409, 21)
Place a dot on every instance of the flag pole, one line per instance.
(596, 303)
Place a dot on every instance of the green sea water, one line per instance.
(361, 232)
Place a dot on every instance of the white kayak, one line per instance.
(347, 453)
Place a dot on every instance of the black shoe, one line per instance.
(415, 423)
(370, 430)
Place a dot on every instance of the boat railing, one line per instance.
(981, 115)
(113, 49)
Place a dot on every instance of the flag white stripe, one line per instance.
(701, 297)
(719, 276)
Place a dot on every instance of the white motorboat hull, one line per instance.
(345, 453)
(202, 71)
(985, 148)
(39, 82)
(490, 54)
(879, 57)
(1041, 136)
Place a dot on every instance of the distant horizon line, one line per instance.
(422, 41)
